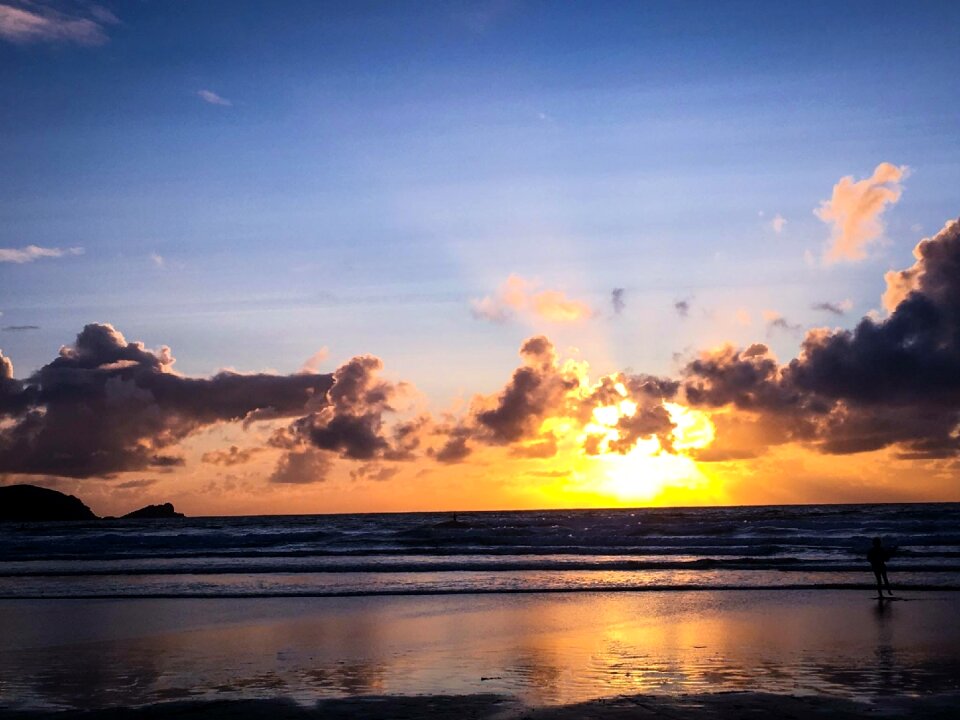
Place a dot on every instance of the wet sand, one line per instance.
(686, 654)
(715, 706)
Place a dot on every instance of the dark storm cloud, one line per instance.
(456, 447)
(894, 381)
(535, 391)
(352, 422)
(106, 405)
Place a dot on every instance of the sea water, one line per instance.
(808, 547)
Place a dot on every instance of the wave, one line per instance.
(390, 592)
(782, 564)
(538, 551)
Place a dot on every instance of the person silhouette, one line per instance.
(877, 556)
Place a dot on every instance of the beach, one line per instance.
(701, 653)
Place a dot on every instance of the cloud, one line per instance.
(682, 307)
(776, 321)
(20, 328)
(157, 259)
(834, 308)
(230, 457)
(778, 223)
(34, 252)
(6, 369)
(351, 423)
(24, 23)
(312, 364)
(456, 448)
(302, 467)
(932, 273)
(544, 389)
(888, 382)
(519, 295)
(855, 209)
(617, 299)
(136, 484)
(536, 388)
(375, 472)
(210, 97)
(105, 405)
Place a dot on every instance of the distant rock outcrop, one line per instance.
(30, 503)
(154, 512)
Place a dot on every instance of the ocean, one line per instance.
(744, 548)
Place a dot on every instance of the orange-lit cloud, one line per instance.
(517, 295)
(105, 406)
(933, 254)
(854, 211)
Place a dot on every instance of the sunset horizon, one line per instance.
(479, 358)
(553, 436)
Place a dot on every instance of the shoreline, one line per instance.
(703, 706)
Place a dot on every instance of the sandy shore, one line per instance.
(696, 654)
(716, 706)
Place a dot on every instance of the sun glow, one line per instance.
(653, 468)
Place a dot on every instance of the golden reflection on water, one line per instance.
(544, 649)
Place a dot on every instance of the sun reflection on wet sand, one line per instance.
(542, 649)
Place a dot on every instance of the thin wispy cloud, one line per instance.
(854, 211)
(519, 295)
(35, 252)
(25, 23)
(20, 328)
(158, 260)
(776, 321)
(209, 96)
(834, 308)
(778, 223)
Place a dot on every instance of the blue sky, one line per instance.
(371, 168)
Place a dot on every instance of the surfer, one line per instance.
(877, 556)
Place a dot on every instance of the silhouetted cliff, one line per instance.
(154, 512)
(30, 503)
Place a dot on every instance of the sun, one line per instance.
(649, 473)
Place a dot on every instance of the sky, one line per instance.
(348, 257)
